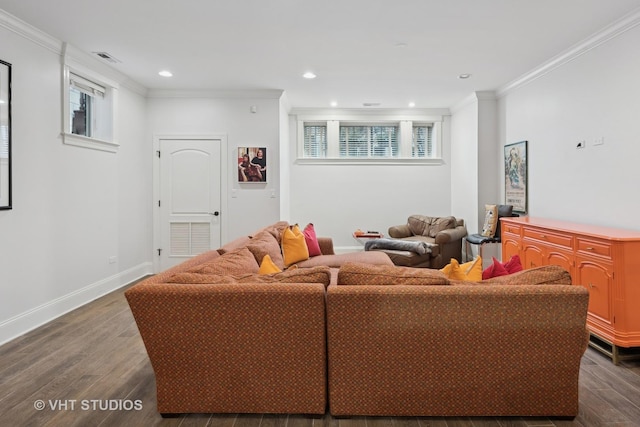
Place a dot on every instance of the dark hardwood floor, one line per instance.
(89, 368)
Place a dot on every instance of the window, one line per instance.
(315, 140)
(89, 109)
(422, 143)
(368, 141)
(365, 138)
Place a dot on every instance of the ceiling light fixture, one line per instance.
(334, 104)
(309, 75)
(412, 104)
(464, 76)
(166, 73)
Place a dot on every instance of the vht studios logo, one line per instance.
(88, 405)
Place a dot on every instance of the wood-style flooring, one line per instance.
(94, 356)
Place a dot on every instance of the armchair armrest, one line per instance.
(326, 245)
(400, 231)
(451, 234)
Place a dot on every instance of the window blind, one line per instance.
(422, 145)
(86, 86)
(368, 141)
(315, 141)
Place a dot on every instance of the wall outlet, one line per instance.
(113, 259)
(581, 144)
(599, 141)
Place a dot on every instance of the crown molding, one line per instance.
(30, 32)
(482, 95)
(610, 32)
(40, 38)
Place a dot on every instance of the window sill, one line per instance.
(369, 161)
(91, 143)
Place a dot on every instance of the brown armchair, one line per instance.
(442, 234)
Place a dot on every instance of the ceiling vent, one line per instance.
(107, 57)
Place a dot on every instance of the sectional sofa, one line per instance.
(358, 335)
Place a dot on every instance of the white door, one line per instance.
(189, 199)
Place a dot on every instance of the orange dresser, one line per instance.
(604, 260)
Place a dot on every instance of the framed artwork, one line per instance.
(252, 164)
(515, 176)
(5, 135)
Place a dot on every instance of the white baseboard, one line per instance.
(38, 316)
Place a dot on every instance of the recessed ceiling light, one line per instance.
(464, 76)
(166, 73)
(402, 44)
(412, 104)
(334, 104)
(309, 75)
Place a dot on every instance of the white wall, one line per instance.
(69, 203)
(464, 162)
(340, 198)
(595, 95)
(249, 206)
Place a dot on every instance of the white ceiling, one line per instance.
(381, 51)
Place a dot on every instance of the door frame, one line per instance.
(224, 173)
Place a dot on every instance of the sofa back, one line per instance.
(455, 350)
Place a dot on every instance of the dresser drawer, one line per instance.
(549, 237)
(510, 228)
(594, 247)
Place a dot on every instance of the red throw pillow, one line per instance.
(513, 265)
(312, 240)
(496, 269)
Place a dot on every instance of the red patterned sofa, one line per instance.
(508, 346)
(386, 340)
(223, 339)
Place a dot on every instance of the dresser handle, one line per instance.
(591, 285)
(543, 236)
(590, 248)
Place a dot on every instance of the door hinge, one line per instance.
(158, 203)
(158, 153)
(159, 252)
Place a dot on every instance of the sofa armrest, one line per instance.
(451, 235)
(400, 231)
(326, 245)
(231, 347)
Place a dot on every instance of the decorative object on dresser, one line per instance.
(602, 259)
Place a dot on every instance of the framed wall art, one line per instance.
(252, 164)
(5, 135)
(515, 176)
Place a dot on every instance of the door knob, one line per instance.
(216, 213)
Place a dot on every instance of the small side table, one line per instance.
(363, 238)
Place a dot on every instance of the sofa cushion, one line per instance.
(267, 266)
(338, 260)
(545, 275)
(421, 225)
(513, 265)
(296, 275)
(311, 240)
(469, 271)
(235, 262)
(264, 243)
(496, 269)
(490, 220)
(294, 248)
(365, 274)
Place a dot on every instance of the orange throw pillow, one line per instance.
(294, 247)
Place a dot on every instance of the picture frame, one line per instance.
(252, 165)
(515, 176)
(5, 136)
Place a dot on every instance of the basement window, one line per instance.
(89, 110)
(383, 140)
